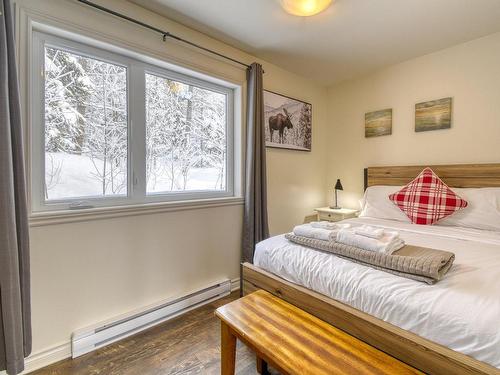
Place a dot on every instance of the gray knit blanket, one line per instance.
(413, 262)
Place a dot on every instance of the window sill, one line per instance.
(71, 216)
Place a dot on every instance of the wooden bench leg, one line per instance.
(228, 350)
(262, 366)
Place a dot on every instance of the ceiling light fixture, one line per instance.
(305, 8)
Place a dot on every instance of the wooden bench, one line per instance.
(295, 342)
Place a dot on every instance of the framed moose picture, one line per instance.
(288, 122)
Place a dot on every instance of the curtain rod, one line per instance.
(164, 33)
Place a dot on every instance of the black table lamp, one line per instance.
(338, 186)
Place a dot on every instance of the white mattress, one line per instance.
(461, 312)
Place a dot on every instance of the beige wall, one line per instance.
(470, 73)
(296, 179)
(89, 271)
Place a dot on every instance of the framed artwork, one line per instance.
(433, 115)
(288, 122)
(378, 123)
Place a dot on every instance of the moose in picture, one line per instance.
(288, 122)
(280, 123)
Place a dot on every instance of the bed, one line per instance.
(451, 327)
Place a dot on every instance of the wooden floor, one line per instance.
(189, 344)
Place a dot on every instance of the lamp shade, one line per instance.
(338, 185)
(305, 8)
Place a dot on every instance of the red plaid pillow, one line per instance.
(427, 199)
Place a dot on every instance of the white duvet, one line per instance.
(461, 312)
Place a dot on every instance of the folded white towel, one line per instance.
(323, 224)
(388, 243)
(306, 230)
(343, 226)
(368, 231)
(329, 225)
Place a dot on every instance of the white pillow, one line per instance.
(482, 211)
(376, 204)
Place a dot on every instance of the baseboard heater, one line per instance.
(96, 336)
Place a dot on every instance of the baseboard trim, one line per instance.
(87, 339)
(235, 284)
(62, 351)
(47, 357)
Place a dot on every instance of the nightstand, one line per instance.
(333, 214)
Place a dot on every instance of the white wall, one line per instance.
(85, 272)
(470, 73)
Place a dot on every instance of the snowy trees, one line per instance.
(305, 122)
(87, 137)
(209, 127)
(165, 127)
(185, 133)
(65, 93)
(105, 139)
(85, 115)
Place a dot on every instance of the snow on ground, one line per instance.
(77, 178)
(198, 179)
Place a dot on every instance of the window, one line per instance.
(85, 126)
(111, 130)
(185, 137)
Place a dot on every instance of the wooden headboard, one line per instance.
(454, 175)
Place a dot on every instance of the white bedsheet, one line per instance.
(461, 312)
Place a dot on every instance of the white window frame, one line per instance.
(136, 110)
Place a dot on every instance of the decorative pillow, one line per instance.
(427, 199)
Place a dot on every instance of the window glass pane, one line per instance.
(185, 137)
(85, 127)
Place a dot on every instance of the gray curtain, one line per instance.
(15, 325)
(255, 224)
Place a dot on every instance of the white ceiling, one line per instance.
(351, 38)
